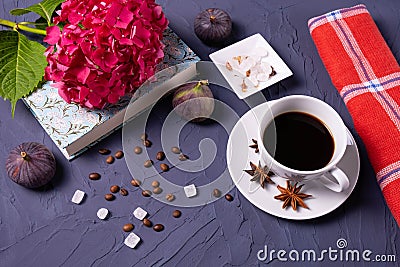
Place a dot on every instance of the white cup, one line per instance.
(330, 175)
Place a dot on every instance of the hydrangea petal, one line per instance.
(94, 99)
(74, 17)
(113, 13)
(53, 35)
(110, 59)
(113, 98)
(83, 92)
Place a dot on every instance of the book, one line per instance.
(74, 128)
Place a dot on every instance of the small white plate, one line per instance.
(251, 46)
(239, 155)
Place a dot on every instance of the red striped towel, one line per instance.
(365, 72)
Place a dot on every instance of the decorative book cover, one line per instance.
(73, 128)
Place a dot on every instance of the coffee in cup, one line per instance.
(303, 142)
(303, 138)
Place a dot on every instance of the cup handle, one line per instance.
(342, 181)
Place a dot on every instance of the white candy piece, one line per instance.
(190, 190)
(256, 69)
(262, 77)
(265, 67)
(234, 64)
(139, 213)
(247, 63)
(253, 80)
(78, 197)
(102, 213)
(132, 240)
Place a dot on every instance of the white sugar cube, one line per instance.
(102, 213)
(78, 197)
(132, 240)
(139, 213)
(190, 190)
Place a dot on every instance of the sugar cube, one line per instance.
(102, 213)
(190, 190)
(140, 213)
(132, 240)
(78, 197)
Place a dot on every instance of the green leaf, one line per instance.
(41, 23)
(22, 65)
(44, 9)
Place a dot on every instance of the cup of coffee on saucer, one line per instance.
(303, 138)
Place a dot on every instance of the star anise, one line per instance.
(291, 196)
(254, 145)
(260, 174)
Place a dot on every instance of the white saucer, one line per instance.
(239, 155)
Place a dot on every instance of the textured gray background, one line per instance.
(43, 228)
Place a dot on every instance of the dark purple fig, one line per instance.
(31, 165)
(194, 101)
(213, 26)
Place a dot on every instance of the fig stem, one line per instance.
(203, 82)
(199, 84)
(212, 18)
(24, 155)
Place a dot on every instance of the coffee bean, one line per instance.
(176, 213)
(147, 143)
(182, 157)
(135, 182)
(170, 197)
(94, 176)
(146, 193)
(160, 155)
(110, 159)
(128, 227)
(216, 193)
(147, 222)
(137, 150)
(157, 190)
(123, 192)
(104, 151)
(119, 154)
(109, 197)
(229, 197)
(148, 163)
(175, 150)
(158, 227)
(155, 184)
(114, 189)
(164, 167)
(143, 137)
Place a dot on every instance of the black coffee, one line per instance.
(303, 142)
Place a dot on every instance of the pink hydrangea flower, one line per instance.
(106, 49)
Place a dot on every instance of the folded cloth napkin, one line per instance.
(365, 72)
